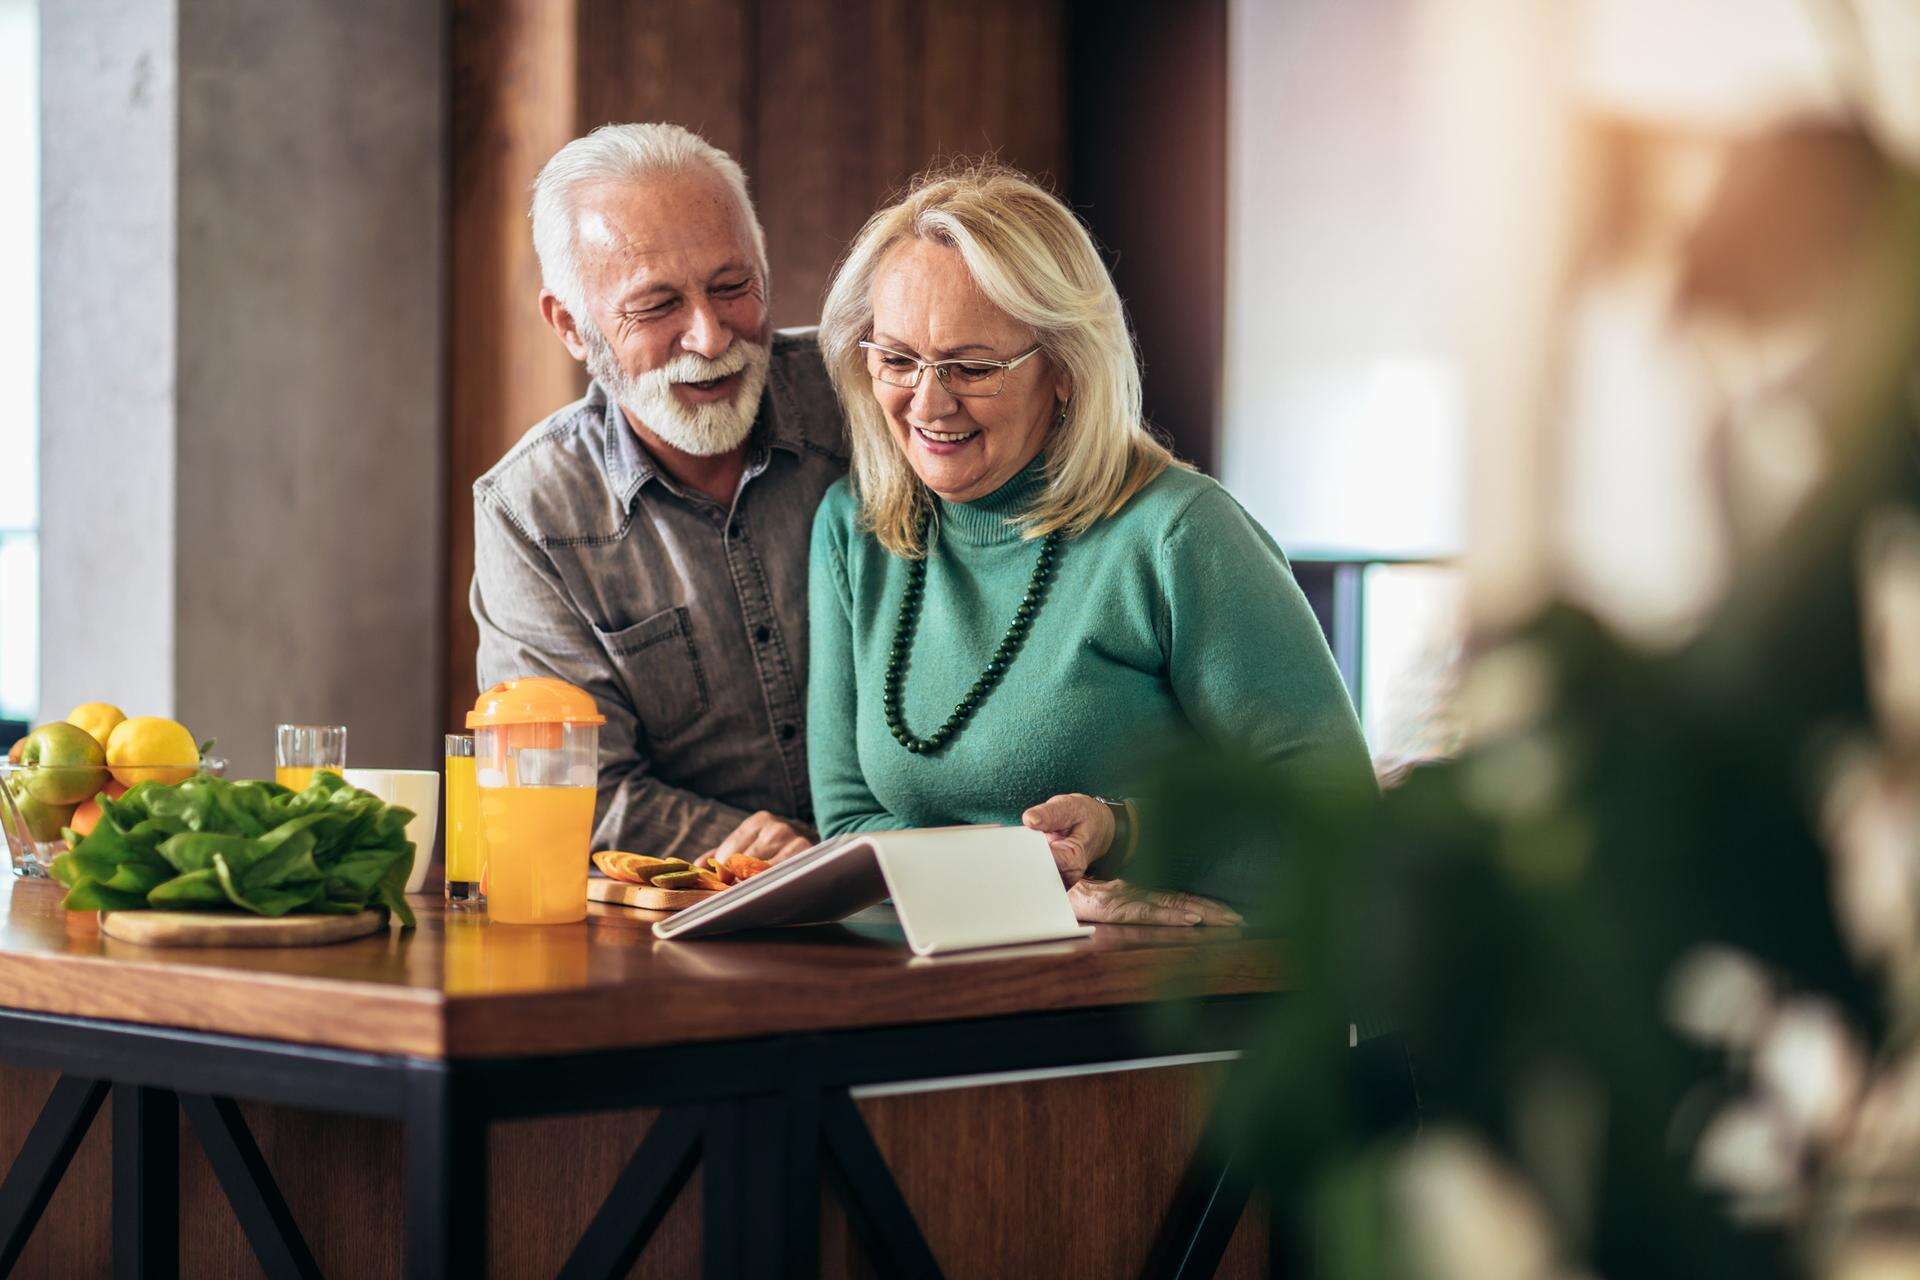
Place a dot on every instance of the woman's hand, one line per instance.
(763, 835)
(1117, 902)
(1078, 828)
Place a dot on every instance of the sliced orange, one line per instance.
(744, 866)
(620, 866)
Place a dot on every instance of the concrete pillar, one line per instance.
(248, 198)
(109, 114)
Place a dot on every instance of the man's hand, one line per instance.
(1117, 902)
(763, 835)
(1078, 828)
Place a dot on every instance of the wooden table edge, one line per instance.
(490, 1027)
(390, 1020)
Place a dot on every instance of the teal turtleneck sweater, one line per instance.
(1177, 617)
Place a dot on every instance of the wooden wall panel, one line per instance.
(995, 82)
(1062, 1177)
(1057, 1178)
(1148, 126)
(687, 61)
(551, 1176)
(75, 1233)
(514, 88)
(342, 1178)
(836, 130)
(857, 98)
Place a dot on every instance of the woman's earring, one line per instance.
(1060, 419)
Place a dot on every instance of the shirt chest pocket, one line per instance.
(660, 666)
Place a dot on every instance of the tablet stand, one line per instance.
(957, 889)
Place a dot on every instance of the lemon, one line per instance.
(151, 749)
(97, 718)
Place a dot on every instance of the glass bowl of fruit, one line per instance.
(52, 781)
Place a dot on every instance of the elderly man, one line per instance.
(648, 542)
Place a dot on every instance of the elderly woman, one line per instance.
(1018, 597)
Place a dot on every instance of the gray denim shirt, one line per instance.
(686, 620)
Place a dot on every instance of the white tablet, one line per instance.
(954, 888)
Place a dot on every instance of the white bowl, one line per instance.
(415, 789)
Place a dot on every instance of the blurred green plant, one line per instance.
(1568, 923)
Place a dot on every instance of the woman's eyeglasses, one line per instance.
(971, 377)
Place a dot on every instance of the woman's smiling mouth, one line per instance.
(942, 441)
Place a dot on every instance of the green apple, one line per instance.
(43, 820)
(65, 764)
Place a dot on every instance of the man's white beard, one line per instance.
(702, 430)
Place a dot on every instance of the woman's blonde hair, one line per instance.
(1035, 261)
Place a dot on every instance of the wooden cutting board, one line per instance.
(217, 929)
(645, 896)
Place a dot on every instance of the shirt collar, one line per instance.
(629, 466)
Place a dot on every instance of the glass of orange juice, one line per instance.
(302, 750)
(536, 744)
(465, 855)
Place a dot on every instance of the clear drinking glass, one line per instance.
(466, 857)
(301, 750)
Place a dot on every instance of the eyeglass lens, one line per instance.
(959, 378)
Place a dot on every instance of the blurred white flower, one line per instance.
(1505, 690)
(1560, 1118)
(1871, 816)
(1884, 1141)
(1776, 458)
(1521, 777)
(1748, 1150)
(1469, 1216)
(1890, 590)
(1883, 1258)
(1719, 996)
(1890, 82)
(1811, 1066)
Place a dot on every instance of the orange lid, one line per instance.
(534, 700)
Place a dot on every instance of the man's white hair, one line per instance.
(620, 153)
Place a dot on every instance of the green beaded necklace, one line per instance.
(997, 665)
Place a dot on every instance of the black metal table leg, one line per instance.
(641, 1196)
(767, 1157)
(446, 1173)
(146, 1183)
(801, 1189)
(1207, 1208)
(251, 1190)
(1291, 1248)
(56, 1134)
(762, 1151)
(878, 1212)
(723, 1163)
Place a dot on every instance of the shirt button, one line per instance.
(761, 635)
(786, 732)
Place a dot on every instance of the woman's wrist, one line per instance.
(1123, 843)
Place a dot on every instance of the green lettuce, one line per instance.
(210, 844)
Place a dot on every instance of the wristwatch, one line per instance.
(1126, 839)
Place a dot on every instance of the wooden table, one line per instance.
(755, 1040)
